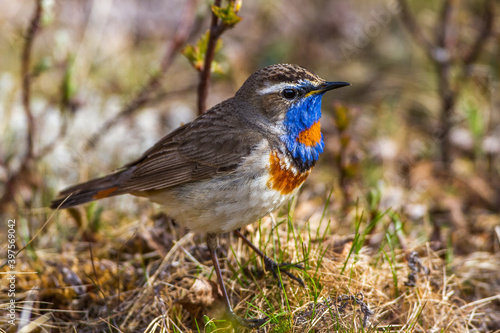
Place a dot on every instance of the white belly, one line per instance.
(225, 202)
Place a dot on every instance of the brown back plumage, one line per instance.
(214, 143)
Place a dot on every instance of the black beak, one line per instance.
(332, 85)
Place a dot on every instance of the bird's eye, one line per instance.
(289, 93)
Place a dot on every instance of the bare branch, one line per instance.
(485, 32)
(216, 29)
(411, 25)
(144, 95)
(20, 175)
(26, 76)
(444, 24)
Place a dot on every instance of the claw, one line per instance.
(273, 266)
(237, 321)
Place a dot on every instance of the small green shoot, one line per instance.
(356, 238)
(228, 15)
(196, 53)
(392, 264)
(209, 325)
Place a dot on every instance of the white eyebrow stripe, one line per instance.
(274, 88)
(277, 87)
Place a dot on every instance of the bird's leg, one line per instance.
(212, 243)
(272, 265)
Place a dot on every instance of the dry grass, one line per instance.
(138, 279)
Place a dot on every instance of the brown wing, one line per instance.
(214, 143)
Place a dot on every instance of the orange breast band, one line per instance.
(311, 136)
(282, 178)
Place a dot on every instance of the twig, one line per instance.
(216, 30)
(485, 32)
(444, 24)
(411, 25)
(153, 83)
(26, 75)
(12, 183)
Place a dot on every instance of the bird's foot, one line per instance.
(237, 321)
(274, 267)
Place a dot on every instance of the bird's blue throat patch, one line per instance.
(303, 137)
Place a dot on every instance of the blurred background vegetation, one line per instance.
(413, 144)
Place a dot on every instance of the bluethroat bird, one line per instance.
(231, 166)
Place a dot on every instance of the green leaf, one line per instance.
(192, 54)
(196, 53)
(227, 14)
(217, 68)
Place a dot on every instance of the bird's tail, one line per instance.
(91, 190)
